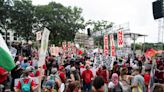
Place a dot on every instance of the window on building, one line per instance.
(15, 38)
(8, 33)
(15, 34)
(3, 33)
(8, 38)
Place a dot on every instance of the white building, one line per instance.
(83, 40)
(11, 35)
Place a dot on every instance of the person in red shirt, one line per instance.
(147, 78)
(25, 79)
(62, 74)
(87, 76)
(3, 77)
(103, 72)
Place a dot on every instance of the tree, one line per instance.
(63, 22)
(5, 12)
(23, 19)
(99, 26)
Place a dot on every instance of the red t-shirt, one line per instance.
(2, 77)
(147, 78)
(103, 74)
(62, 76)
(87, 75)
(25, 81)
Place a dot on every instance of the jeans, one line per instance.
(87, 87)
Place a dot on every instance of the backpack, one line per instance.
(118, 88)
(52, 77)
(25, 87)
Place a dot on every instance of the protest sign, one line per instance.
(112, 46)
(106, 48)
(64, 46)
(120, 37)
(13, 52)
(55, 51)
(38, 35)
(44, 47)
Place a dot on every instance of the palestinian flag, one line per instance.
(6, 60)
(150, 52)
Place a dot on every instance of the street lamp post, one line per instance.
(134, 38)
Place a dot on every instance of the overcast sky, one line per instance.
(137, 12)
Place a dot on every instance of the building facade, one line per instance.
(11, 36)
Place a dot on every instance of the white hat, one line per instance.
(73, 68)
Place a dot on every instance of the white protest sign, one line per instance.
(44, 47)
(38, 35)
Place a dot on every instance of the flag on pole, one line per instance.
(44, 46)
(6, 60)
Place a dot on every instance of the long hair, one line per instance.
(72, 86)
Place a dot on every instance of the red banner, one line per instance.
(106, 48)
(73, 48)
(120, 39)
(69, 44)
(112, 46)
(64, 45)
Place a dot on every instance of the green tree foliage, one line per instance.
(63, 22)
(99, 26)
(5, 12)
(23, 18)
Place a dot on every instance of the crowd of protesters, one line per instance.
(73, 73)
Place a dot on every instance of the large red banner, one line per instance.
(120, 38)
(64, 45)
(106, 48)
(73, 48)
(69, 44)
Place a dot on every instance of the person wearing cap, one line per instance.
(54, 76)
(87, 76)
(74, 76)
(25, 80)
(62, 74)
(138, 81)
(49, 86)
